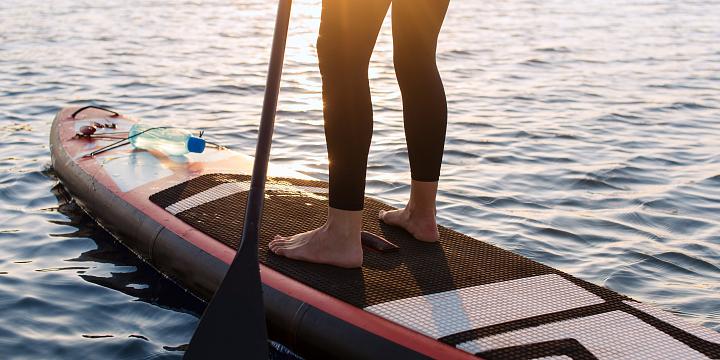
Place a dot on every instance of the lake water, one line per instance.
(583, 134)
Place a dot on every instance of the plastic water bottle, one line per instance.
(171, 141)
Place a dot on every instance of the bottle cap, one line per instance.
(195, 144)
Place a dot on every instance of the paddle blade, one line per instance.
(233, 325)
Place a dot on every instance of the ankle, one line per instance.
(343, 223)
(422, 198)
(419, 211)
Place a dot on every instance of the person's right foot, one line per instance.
(335, 243)
(422, 226)
(321, 246)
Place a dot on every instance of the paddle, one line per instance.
(233, 324)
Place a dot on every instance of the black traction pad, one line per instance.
(418, 268)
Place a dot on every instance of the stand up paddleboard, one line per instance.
(459, 298)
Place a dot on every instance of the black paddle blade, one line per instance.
(233, 325)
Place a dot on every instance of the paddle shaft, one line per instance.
(233, 324)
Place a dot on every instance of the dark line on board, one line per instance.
(709, 349)
(585, 311)
(568, 347)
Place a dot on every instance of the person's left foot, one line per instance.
(420, 225)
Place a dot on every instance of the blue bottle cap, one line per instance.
(195, 144)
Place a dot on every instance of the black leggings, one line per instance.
(348, 30)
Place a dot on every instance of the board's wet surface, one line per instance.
(584, 136)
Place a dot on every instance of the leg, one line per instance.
(348, 29)
(416, 25)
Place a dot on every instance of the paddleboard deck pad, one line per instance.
(458, 298)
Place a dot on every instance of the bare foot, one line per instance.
(422, 226)
(335, 243)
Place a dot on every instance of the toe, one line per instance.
(277, 245)
(272, 246)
